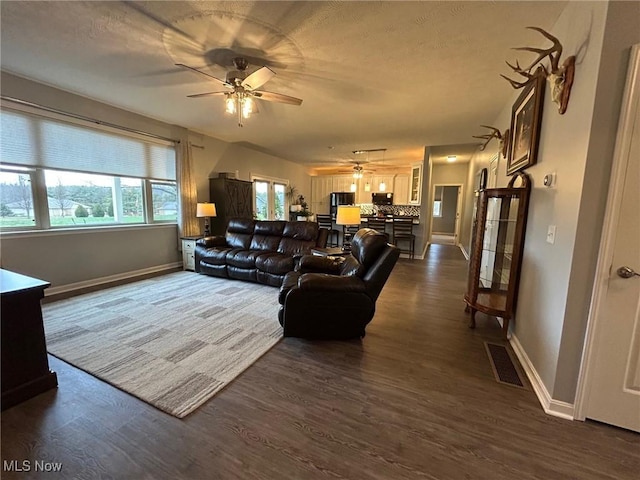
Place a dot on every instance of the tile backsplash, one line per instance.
(368, 209)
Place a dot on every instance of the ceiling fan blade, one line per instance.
(208, 94)
(182, 65)
(258, 78)
(277, 97)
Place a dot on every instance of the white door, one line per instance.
(612, 393)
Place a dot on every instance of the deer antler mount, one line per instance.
(560, 77)
(495, 133)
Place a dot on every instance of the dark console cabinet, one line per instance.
(233, 199)
(25, 367)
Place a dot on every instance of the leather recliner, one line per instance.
(335, 298)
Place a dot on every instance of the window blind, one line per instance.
(37, 141)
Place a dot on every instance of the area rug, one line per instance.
(173, 341)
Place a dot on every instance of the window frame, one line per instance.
(271, 195)
(41, 205)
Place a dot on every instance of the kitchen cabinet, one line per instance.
(377, 179)
(401, 189)
(321, 187)
(342, 183)
(415, 189)
(496, 257)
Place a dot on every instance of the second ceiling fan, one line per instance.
(241, 89)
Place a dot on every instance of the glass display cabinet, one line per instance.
(496, 255)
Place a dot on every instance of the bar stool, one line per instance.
(324, 221)
(403, 232)
(378, 224)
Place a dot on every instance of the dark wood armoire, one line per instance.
(233, 199)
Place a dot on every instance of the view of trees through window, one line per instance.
(269, 196)
(16, 200)
(84, 199)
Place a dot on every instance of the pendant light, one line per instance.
(383, 186)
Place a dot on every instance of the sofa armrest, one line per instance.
(318, 264)
(216, 241)
(330, 283)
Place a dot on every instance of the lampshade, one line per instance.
(348, 215)
(382, 187)
(353, 187)
(206, 210)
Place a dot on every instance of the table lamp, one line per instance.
(347, 215)
(206, 210)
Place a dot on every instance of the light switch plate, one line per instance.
(551, 234)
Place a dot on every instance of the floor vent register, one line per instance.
(503, 365)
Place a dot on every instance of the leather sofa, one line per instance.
(335, 298)
(257, 250)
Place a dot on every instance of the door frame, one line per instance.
(595, 321)
(458, 208)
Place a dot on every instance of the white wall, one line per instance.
(556, 280)
(80, 258)
(219, 156)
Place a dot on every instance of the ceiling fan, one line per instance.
(242, 88)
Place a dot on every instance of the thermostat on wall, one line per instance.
(549, 179)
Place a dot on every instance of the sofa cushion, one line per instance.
(307, 231)
(243, 258)
(216, 256)
(351, 267)
(240, 232)
(276, 263)
(270, 227)
(265, 242)
(291, 246)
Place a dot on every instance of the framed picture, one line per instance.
(526, 116)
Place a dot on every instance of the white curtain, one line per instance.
(188, 224)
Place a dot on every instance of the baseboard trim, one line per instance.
(464, 252)
(550, 406)
(101, 281)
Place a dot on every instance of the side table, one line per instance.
(330, 252)
(188, 252)
(25, 366)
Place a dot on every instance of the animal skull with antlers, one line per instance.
(560, 77)
(495, 133)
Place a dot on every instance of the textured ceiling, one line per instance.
(395, 75)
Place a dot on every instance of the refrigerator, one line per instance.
(340, 198)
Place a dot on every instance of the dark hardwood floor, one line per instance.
(415, 399)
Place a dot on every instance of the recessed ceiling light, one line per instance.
(451, 158)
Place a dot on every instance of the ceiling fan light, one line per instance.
(247, 107)
(230, 104)
(382, 187)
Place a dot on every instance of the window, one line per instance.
(437, 202)
(269, 198)
(437, 208)
(164, 197)
(77, 199)
(16, 199)
(84, 175)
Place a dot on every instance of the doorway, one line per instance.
(446, 214)
(609, 382)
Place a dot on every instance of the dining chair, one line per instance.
(324, 221)
(403, 232)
